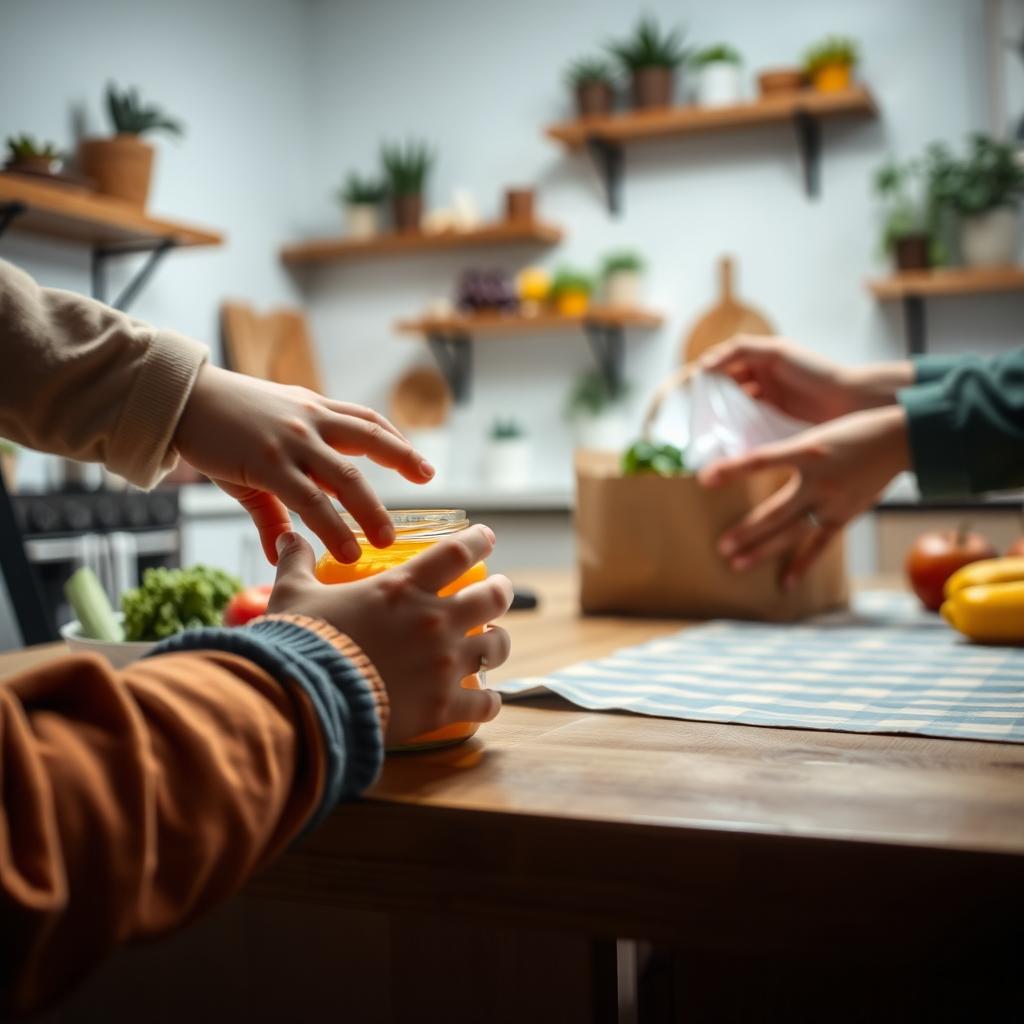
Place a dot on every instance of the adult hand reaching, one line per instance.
(839, 469)
(274, 447)
(802, 383)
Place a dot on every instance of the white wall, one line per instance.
(235, 72)
(480, 80)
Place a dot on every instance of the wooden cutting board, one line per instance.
(275, 346)
(723, 320)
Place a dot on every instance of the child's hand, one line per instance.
(275, 447)
(416, 640)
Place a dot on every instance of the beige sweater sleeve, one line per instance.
(87, 382)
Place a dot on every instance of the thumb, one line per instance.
(295, 558)
(724, 471)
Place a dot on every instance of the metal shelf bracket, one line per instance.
(608, 343)
(102, 254)
(914, 324)
(808, 134)
(610, 161)
(8, 212)
(454, 356)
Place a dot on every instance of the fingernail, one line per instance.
(386, 535)
(282, 542)
(426, 468)
(350, 551)
(489, 534)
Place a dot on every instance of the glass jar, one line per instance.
(415, 531)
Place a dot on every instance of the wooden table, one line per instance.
(784, 868)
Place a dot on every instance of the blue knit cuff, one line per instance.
(341, 697)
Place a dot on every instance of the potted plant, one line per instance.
(984, 190)
(651, 58)
(122, 166)
(830, 64)
(906, 235)
(621, 273)
(593, 81)
(507, 458)
(406, 172)
(597, 414)
(571, 291)
(9, 464)
(362, 198)
(28, 156)
(718, 76)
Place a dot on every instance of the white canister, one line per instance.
(362, 220)
(622, 288)
(719, 84)
(990, 239)
(507, 463)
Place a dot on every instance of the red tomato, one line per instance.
(247, 604)
(936, 555)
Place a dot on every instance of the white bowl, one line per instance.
(118, 652)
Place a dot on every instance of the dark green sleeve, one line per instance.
(966, 425)
(931, 368)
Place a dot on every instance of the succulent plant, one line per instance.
(720, 53)
(406, 168)
(649, 47)
(131, 117)
(834, 50)
(362, 191)
(590, 70)
(25, 147)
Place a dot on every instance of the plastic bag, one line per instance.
(717, 419)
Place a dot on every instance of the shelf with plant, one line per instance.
(26, 155)
(718, 71)
(829, 65)
(651, 58)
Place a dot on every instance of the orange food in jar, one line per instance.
(416, 530)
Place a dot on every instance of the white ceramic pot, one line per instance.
(507, 464)
(606, 432)
(118, 653)
(622, 288)
(362, 220)
(719, 84)
(990, 239)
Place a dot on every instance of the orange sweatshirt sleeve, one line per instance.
(131, 802)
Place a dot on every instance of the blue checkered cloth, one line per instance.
(883, 667)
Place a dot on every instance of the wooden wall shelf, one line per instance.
(450, 338)
(605, 137)
(337, 250)
(912, 287)
(109, 226)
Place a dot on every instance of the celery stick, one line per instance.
(92, 606)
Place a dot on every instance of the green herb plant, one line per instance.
(130, 116)
(171, 600)
(720, 53)
(622, 260)
(359, 191)
(903, 191)
(590, 71)
(647, 457)
(835, 50)
(591, 395)
(507, 430)
(25, 147)
(650, 47)
(987, 178)
(406, 168)
(568, 280)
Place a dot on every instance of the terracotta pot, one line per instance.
(35, 164)
(652, 87)
(121, 167)
(594, 99)
(776, 81)
(911, 252)
(519, 205)
(832, 78)
(407, 212)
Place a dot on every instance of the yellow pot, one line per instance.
(832, 78)
(572, 303)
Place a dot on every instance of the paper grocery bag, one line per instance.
(648, 545)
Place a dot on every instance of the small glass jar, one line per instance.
(416, 530)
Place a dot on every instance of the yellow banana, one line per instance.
(989, 612)
(988, 570)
